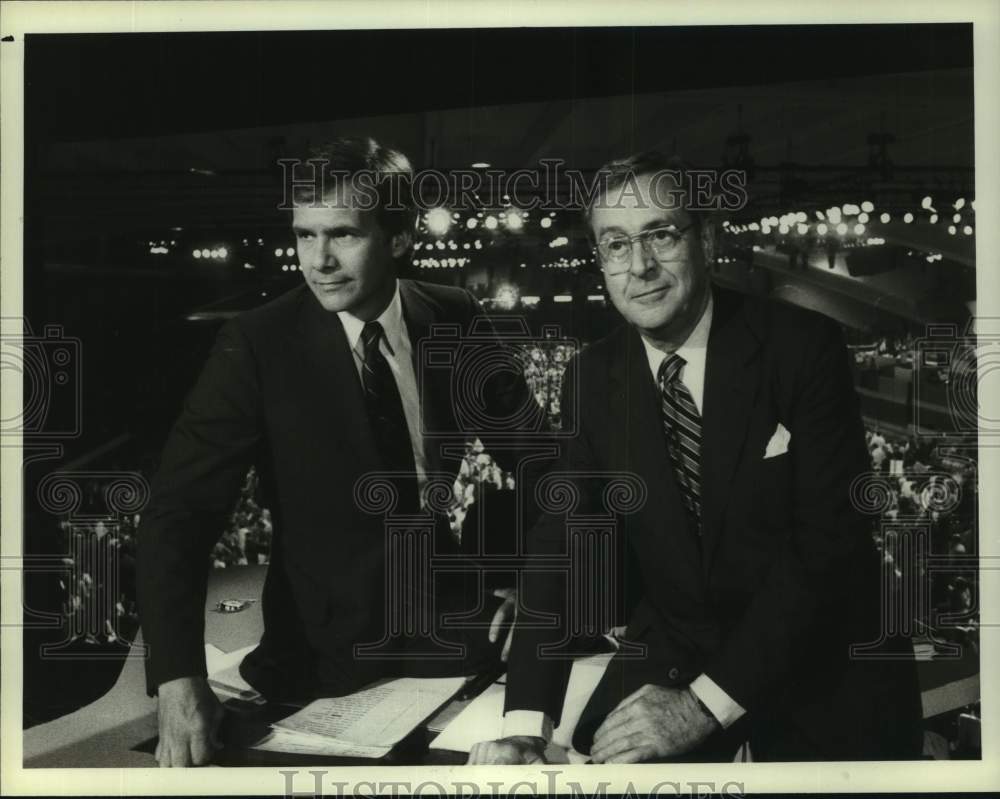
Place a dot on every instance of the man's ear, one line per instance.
(709, 239)
(400, 243)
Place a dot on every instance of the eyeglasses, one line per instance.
(616, 251)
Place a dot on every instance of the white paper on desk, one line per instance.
(282, 741)
(482, 720)
(224, 672)
(375, 717)
(216, 660)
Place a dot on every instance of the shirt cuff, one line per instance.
(527, 722)
(718, 702)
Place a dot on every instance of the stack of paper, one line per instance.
(364, 724)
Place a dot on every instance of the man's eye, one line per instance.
(304, 236)
(344, 238)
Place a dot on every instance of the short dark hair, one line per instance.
(387, 170)
(615, 174)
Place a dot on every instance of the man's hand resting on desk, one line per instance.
(190, 717)
(513, 751)
(652, 722)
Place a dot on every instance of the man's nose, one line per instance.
(323, 256)
(642, 259)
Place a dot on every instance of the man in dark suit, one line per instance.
(318, 389)
(755, 572)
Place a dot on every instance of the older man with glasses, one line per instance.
(756, 572)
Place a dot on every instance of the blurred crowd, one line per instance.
(544, 364)
(247, 537)
(931, 491)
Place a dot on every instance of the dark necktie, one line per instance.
(682, 425)
(385, 413)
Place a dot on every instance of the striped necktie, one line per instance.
(682, 425)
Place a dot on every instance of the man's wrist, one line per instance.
(527, 724)
(703, 708)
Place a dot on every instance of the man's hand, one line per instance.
(190, 716)
(506, 612)
(652, 722)
(517, 750)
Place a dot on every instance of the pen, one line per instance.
(479, 683)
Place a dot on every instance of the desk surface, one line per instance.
(106, 732)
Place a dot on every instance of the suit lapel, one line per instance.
(420, 313)
(643, 450)
(335, 376)
(732, 378)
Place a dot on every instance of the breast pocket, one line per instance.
(773, 484)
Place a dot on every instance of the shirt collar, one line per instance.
(695, 346)
(391, 320)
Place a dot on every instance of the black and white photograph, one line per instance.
(422, 399)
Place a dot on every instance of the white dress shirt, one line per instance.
(395, 346)
(694, 351)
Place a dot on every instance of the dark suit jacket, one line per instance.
(280, 390)
(784, 576)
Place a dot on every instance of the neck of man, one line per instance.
(376, 304)
(670, 338)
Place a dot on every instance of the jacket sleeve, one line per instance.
(811, 574)
(206, 458)
(535, 682)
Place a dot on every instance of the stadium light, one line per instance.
(513, 220)
(438, 221)
(506, 297)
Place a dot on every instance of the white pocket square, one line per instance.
(778, 445)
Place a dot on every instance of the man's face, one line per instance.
(661, 296)
(346, 258)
